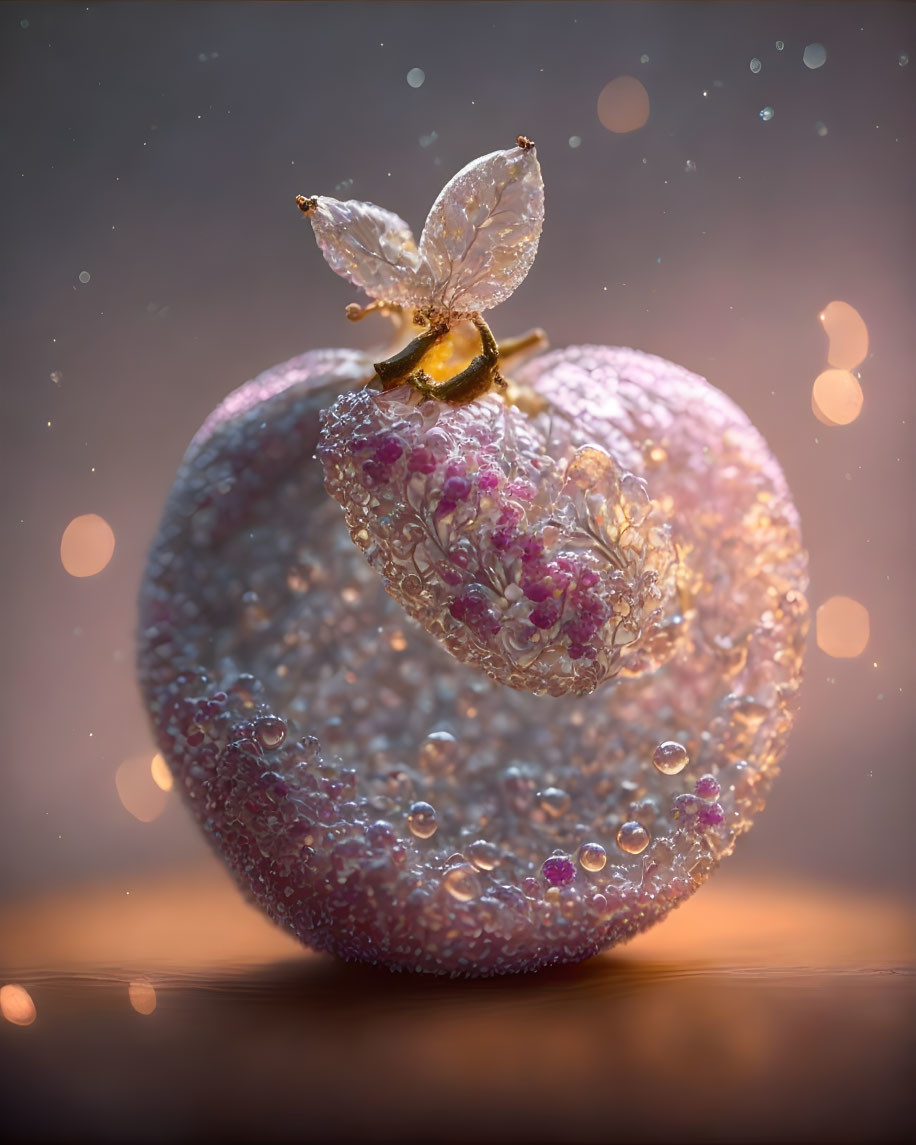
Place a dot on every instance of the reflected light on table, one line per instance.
(16, 1005)
(87, 545)
(846, 333)
(142, 997)
(836, 397)
(842, 627)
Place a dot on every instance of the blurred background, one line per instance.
(728, 186)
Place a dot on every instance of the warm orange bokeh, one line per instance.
(623, 105)
(87, 545)
(836, 397)
(16, 1005)
(159, 770)
(144, 798)
(847, 333)
(842, 627)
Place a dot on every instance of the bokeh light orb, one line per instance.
(842, 626)
(138, 790)
(87, 545)
(836, 397)
(16, 1005)
(847, 335)
(623, 105)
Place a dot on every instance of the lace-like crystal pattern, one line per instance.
(525, 548)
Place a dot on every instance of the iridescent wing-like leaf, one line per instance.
(369, 246)
(482, 233)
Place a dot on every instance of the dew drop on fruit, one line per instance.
(422, 820)
(483, 855)
(632, 838)
(670, 757)
(270, 732)
(438, 753)
(461, 883)
(554, 801)
(592, 856)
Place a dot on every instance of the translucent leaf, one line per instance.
(482, 233)
(371, 247)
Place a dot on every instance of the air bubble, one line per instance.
(416, 77)
(632, 838)
(779, 45)
(575, 141)
(84, 276)
(766, 114)
(902, 60)
(592, 856)
(755, 65)
(670, 757)
(815, 56)
(422, 820)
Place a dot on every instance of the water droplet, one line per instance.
(575, 141)
(670, 757)
(438, 753)
(779, 45)
(592, 856)
(644, 59)
(429, 140)
(755, 65)
(84, 276)
(483, 855)
(554, 801)
(690, 166)
(632, 838)
(415, 77)
(422, 820)
(461, 883)
(821, 128)
(815, 56)
(270, 732)
(56, 377)
(766, 114)
(902, 60)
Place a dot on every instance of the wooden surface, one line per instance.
(755, 1013)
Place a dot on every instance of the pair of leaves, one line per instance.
(477, 245)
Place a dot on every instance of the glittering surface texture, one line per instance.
(382, 800)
